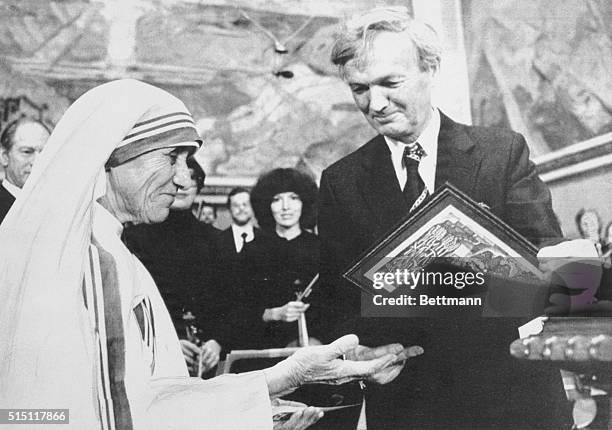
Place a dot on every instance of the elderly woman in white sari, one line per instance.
(82, 325)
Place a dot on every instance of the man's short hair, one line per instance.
(234, 191)
(357, 35)
(7, 138)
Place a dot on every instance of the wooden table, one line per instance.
(582, 348)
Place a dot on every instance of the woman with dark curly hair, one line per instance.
(284, 258)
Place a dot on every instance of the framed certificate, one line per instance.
(449, 230)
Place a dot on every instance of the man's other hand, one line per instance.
(389, 373)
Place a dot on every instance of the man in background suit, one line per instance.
(20, 143)
(230, 271)
(466, 378)
(241, 230)
(208, 213)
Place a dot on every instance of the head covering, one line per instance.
(163, 126)
(44, 329)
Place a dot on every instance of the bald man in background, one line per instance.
(20, 143)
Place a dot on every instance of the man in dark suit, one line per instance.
(241, 230)
(20, 142)
(466, 378)
(230, 269)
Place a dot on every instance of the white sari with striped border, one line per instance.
(82, 325)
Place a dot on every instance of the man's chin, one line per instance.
(241, 222)
(392, 130)
(18, 182)
(387, 130)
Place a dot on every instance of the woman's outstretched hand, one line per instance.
(325, 364)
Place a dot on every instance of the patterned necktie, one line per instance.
(414, 188)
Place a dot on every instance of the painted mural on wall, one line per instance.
(256, 76)
(308, 121)
(541, 67)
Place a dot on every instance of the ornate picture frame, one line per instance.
(453, 230)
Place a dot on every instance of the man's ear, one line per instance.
(4, 156)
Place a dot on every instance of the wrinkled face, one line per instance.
(144, 188)
(240, 208)
(286, 209)
(589, 224)
(29, 140)
(186, 195)
(390, 89)
(208, 215)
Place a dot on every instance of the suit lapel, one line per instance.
(228, 241)
(6, 201)
(6, 195)
(379, 186)
(457, 162)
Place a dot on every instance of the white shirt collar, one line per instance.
(11, 188)
(237, 231)
(429, 142)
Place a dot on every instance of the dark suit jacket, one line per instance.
(466, 378)
(228, 261)
(231, 275)
(6, 201)
(225, 244)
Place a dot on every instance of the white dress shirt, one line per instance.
(11, 188)
(237, 231)
(429, 142)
